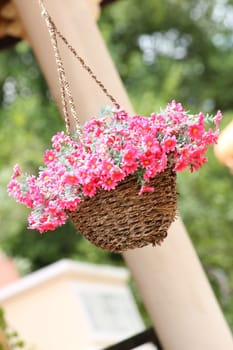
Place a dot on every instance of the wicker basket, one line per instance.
(120, 220)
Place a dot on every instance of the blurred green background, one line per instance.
(163, 50)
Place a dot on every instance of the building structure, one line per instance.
(72, 305)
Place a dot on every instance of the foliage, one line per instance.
(173, 49)
(163, 49)
(13, 339)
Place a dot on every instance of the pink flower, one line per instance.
(49, 156)
(92, 124)
(152, 145)
(71, 179)
(70, 203)
(71, 159)
(210, 137)
(89, 189)
(130, 168)
(109, 184)
(217, 119)
(121, 115)
(110, 140)
(45, 176)
(130, 154)
(158, 120)
(16, 172)
(177, 107)
(83, 175)
(150, 141)
(183, 158)
(181, 164)
(145, 188)
(146, 161)
(59, 139)
(169, 144)
(14, 188)
(117, 174)
(163, 162)
(106, 166)
(151, 172)
(196, 131)
(98, 132)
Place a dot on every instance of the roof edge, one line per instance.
(58, 269)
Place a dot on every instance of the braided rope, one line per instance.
(64, 84)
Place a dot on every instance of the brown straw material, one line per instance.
(121, 219)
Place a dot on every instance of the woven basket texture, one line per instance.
(120, 219)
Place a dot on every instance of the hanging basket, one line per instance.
(115, 177)
(121, 219)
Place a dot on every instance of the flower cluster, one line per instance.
(113, 146)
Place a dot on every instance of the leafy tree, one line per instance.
(172, 49)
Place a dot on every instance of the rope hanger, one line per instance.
(66, 95)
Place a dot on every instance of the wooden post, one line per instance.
(170, 279)
(224, 148)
